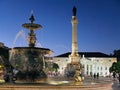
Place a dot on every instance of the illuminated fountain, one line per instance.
(28, 61)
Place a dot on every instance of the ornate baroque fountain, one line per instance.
(28, 61)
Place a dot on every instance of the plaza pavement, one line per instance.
(96, 84)
(103, 83)
(115, 85)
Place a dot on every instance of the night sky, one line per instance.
(98, 27)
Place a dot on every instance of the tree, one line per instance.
(55, 67)
(115, 67)
(4, 52)
(116, 53)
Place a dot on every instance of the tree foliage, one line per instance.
(116, 53)
(55, 67)
(4, 52)
(115, 67)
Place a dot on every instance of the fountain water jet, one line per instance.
(38, 44)
(19, 34)
(22, 34)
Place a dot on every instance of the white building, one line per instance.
(93, 63)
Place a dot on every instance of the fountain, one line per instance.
(27, 62)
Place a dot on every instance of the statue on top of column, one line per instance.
(74, 11)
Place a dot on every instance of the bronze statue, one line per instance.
(32, 19)
(74, 11)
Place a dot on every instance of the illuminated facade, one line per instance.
(93, 63)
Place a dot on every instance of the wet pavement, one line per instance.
(115, 85)
(104, 83)
(63, 83)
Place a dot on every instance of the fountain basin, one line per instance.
(32, 26)
(28, 63)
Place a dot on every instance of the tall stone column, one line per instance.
(74, 22)
(74, 57)
(74, 68)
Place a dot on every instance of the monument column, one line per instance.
(74, 57)
(74, 68)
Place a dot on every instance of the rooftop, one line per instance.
(86, 54)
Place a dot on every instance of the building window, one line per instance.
(105, 68)
(87, 67)
(106, 73)
(87, 72)
(98, 68)
(101, 73)
(83, 66)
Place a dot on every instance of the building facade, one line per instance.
(92, 62)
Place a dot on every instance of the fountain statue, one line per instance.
(27, 62)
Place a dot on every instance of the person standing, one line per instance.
(97, 75)
(114, 75)
(94, 76)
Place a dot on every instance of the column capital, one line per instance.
(74, 20)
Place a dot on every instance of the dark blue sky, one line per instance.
(98, 28)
